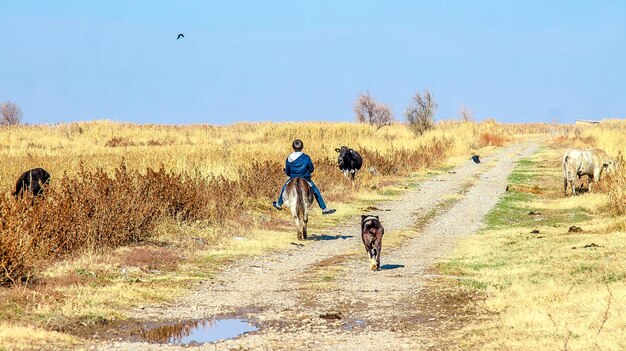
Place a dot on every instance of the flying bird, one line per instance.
(180, 36)
(475, 158)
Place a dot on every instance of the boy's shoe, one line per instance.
(277, 206)
(328, 211)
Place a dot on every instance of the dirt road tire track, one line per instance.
(273, 291)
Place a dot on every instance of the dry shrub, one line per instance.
(489, 139)
(575, 138)
(577, 141)
(187, 198)
(125, 142)
(403, 161)
(561, 140)
(333, 185)
(120, 142)
(154, 142)
(616, 185)
(261, 179)
(94, 211)
(420, 114)
(17, 254)
(587, 141)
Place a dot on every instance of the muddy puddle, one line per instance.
(199, 332)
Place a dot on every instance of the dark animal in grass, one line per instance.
(372, 234)
(32, 181)
(575, 229)
(180, 36)
(349, 161)
(298, 197)
(475, 158)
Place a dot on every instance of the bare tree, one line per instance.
(367, 110)
(466, 114)
(364, 107)
(421, 112)
(10, 114)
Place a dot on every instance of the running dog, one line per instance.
(372, 234)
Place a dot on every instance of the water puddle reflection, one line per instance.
(355, 324)
(201, 331)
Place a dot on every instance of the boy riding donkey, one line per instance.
(299, 165)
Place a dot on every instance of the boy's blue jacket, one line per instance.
(299, 164)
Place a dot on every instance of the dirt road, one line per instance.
(286, 293)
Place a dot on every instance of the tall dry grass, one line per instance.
(203, 149)
(607, 135)
(112, 183)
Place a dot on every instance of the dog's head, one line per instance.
(370, 224)
(365, 218)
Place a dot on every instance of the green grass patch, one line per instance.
(509, 211)
(474, 284)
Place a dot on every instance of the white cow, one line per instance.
(605, 159)
(570, 169)
(591, 163)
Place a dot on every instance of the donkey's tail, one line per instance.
(300, 198)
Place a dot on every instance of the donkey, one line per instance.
(299, 198)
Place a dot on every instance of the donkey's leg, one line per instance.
(298, 227)
(296, 220)
(305, 221)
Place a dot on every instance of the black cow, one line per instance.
(32, 181)
(349, 161)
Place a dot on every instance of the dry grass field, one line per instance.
(135, 214)
(550, 269)
(140, 214)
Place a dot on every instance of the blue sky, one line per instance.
(515, 61)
